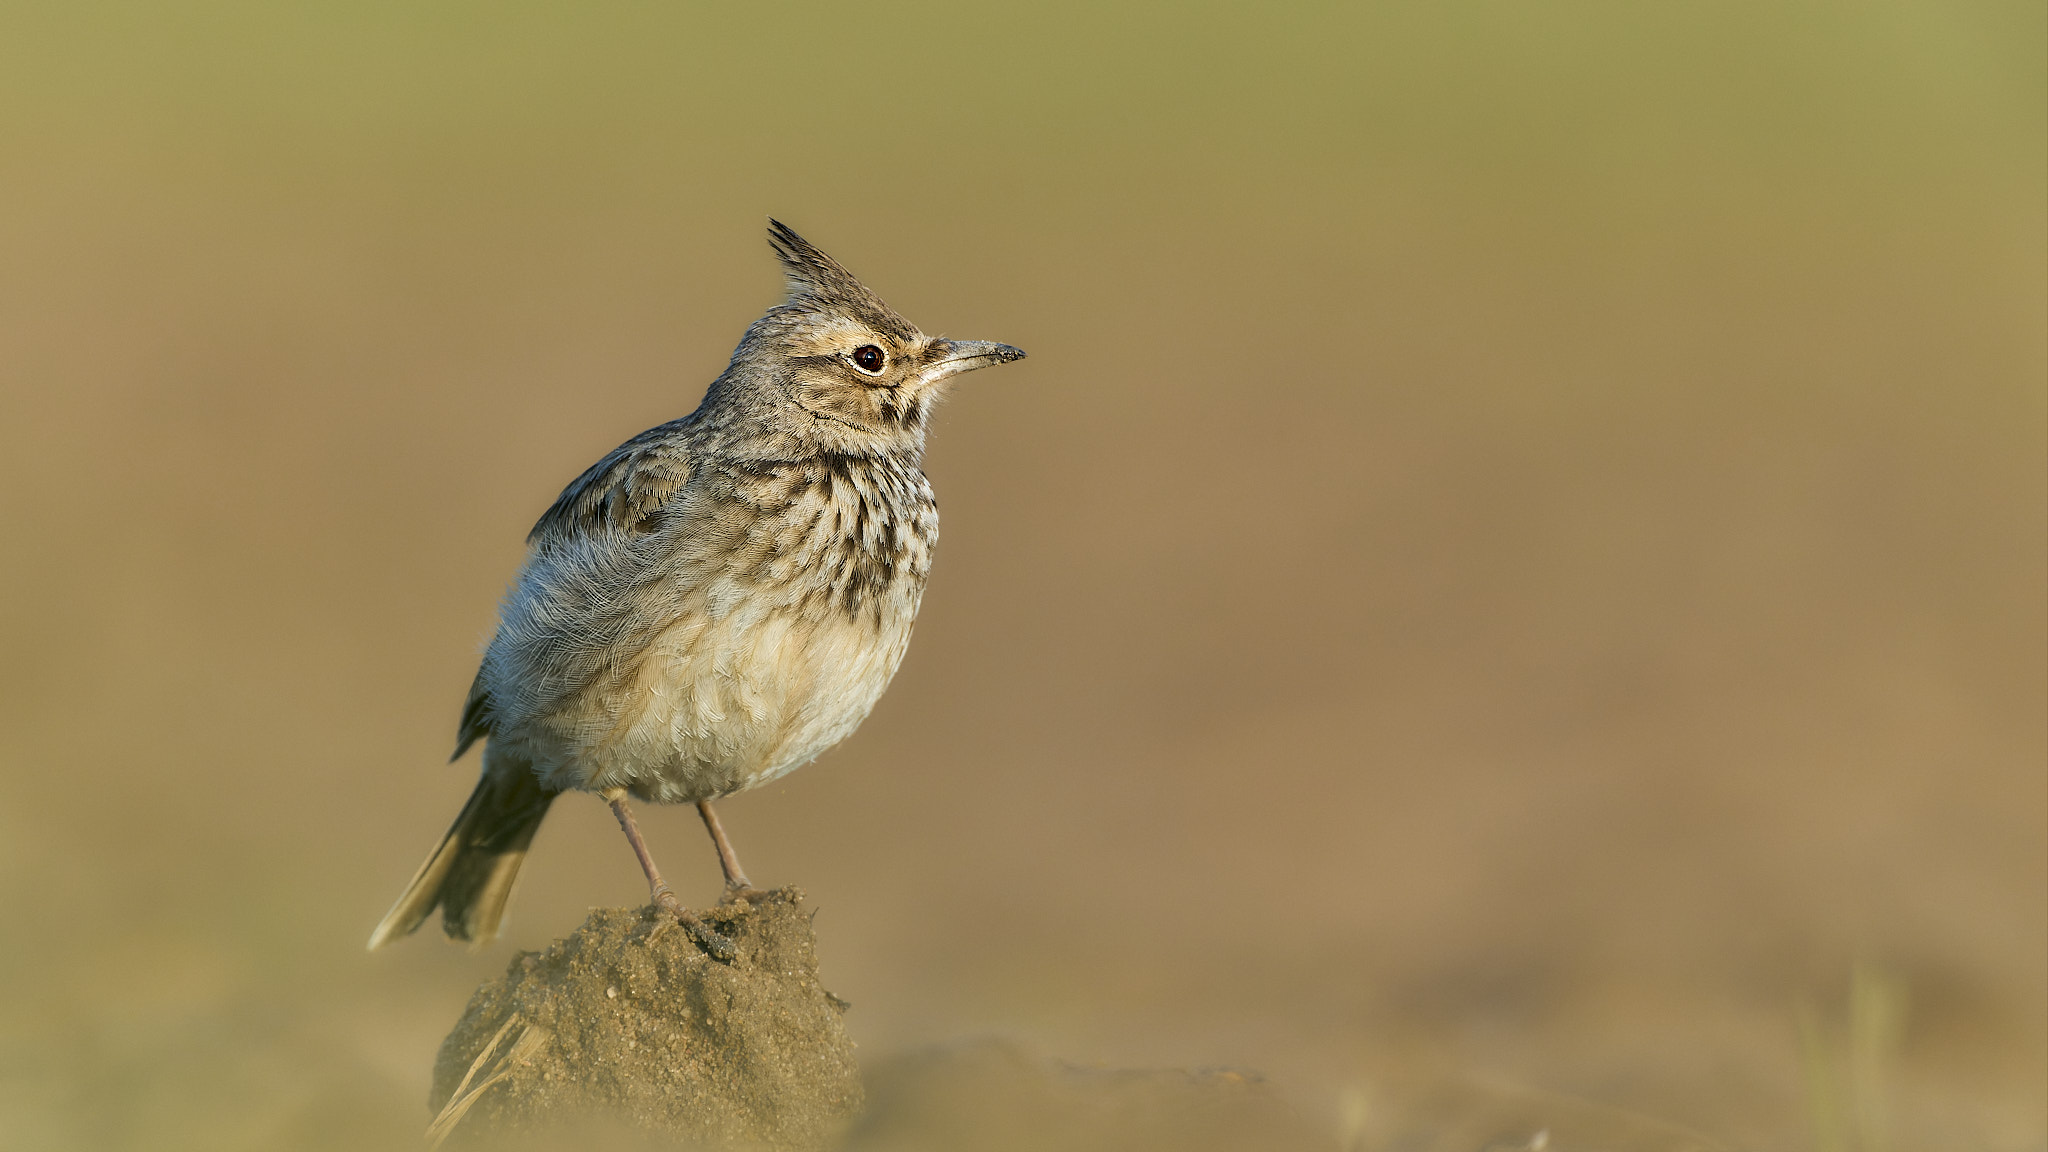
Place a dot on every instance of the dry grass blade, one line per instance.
(483, 1055)
(464, 1097)
(1849, 1070)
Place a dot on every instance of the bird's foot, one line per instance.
(715, 944)
(744, 893)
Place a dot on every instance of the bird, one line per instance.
(713, 604)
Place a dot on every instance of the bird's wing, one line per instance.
(622, 495)
(624, 492)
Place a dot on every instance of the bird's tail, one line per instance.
(470, 875)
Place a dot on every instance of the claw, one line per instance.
(742, 894)
(719, 948)
(715, 945)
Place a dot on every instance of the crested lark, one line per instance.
(716, 602)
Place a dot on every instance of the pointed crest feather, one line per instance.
(818, 282)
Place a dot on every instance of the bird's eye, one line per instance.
(869, 359)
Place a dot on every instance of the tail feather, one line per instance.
(469, 877)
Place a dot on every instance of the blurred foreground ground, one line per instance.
(1517, 556)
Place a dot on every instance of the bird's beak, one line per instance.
(952, 357)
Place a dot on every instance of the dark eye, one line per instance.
(869, 359)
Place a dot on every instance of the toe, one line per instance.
(718, 947)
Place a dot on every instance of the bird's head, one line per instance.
(848, 373)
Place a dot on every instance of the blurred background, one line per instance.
(1515, 566)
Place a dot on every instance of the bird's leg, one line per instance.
(717, 946)
(737, 886)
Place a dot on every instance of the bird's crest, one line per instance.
(818, 283)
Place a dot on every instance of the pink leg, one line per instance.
(737, 886)
(717, 946)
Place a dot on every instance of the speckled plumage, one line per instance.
(719, 599)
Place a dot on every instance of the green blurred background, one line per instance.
(1517, 558)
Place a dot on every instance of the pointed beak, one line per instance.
(952, 357)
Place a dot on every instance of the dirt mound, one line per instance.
(626, 1035)
(627, 1024)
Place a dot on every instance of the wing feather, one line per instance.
(626, 493)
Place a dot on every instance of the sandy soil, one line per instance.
(626, 1031)
(629, 1020)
